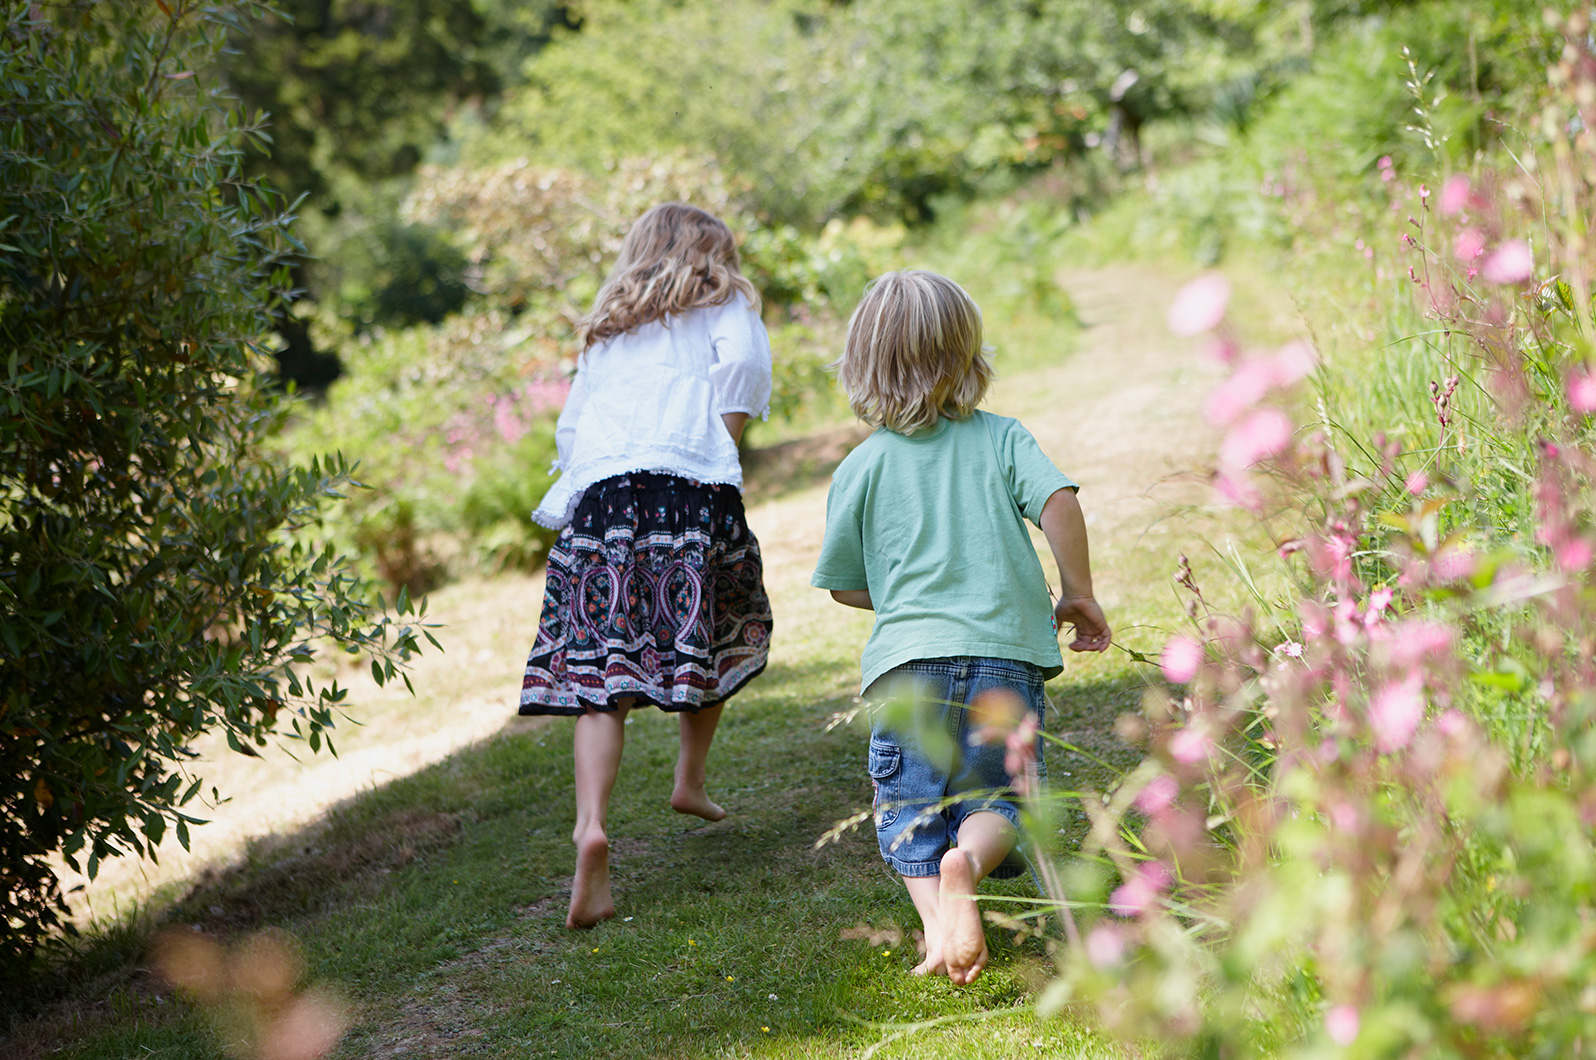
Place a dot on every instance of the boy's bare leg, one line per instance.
(597, 745)
(985, 839)
(926, 891)
(697, 733)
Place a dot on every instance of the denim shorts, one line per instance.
(927, 775)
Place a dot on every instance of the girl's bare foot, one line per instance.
(959, 918)
(590, 890)
(695, 801)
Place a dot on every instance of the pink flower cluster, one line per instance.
(508, 416)
(1254, 434)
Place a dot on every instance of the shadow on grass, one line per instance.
(437, 901)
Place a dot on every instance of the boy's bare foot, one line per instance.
(590, 890)
(963, 935)
(695, 801)
(932, 965)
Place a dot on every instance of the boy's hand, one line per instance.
(1091, 628)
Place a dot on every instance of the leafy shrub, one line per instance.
(879, 107)
(147, 592)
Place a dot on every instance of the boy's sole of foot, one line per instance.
(963, 934)
(590, 890)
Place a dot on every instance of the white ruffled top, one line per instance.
(651, 399)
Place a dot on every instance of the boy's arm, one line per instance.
(853, 598)
(1065, 529)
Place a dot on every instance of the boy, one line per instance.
(925, 526)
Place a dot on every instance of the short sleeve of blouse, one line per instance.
(740, 369)
(842, 564)
(1032, 477)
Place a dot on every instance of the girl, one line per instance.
(655, 591)
(925, 525)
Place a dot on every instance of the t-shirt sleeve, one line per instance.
(1032, 477)
(740, 369)
(841, 564)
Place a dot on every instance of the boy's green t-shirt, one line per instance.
(933, 525)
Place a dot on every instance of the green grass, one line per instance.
(435, 906)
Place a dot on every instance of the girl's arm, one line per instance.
(853, 598)
(735, 422)
(1065, 529)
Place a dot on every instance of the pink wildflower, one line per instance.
(1575, 554)
(1294, 361)
(1512, 263)
(1468, 245)
(1223, 349)
(1291, 648)
(1181, 659)
(1454, 195)
(1158, 795)
(1344, 816)
(1140, 893)
(1019, 757)
(1341, 1024)
(1414, 642)
(1452, 723)
(1239, 490)
(1453, 564)
(1245, 388)
(1417, 483)
(1105, 946)
(1582, 391)
(1395, 712)
(1190, 745)
(1263, 434)
(1200, 305)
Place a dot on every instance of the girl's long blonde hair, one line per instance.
(914, 352)
(675, 258)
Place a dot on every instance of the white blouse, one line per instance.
(651, 399)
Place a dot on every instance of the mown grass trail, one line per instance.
(434, 903)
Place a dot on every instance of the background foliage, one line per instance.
(148, 592)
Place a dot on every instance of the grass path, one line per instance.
(432, 896)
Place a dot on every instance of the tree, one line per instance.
(357, 92)
(151, 586)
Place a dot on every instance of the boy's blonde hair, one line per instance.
(914, 352)
(675, 258)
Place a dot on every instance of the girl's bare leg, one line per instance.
(985, 839)
(597, 745)
(926, 893)
(697, 734)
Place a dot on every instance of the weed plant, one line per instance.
(1364, 825)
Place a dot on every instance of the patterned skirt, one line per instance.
(655, 591)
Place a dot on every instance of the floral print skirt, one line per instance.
(655, 592)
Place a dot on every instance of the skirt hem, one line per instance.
(533, 710)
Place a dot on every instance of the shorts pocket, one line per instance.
(886, 763)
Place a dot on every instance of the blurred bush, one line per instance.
(884, 106)
(452, 421)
